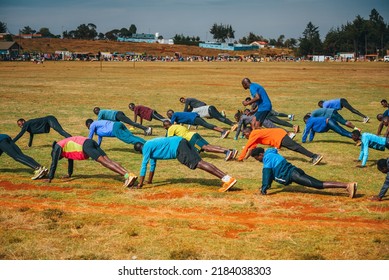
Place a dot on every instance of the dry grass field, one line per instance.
(181, 215)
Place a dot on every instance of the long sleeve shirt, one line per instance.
(191, 103)
(109, 115)
(158, 148)
(314, 124)
(275, 168)
(3, 137)
(184, 117)
(102, 129)
(243, 122)
(266, 136)
(333, 104)
(322, 112)
(369, 140)
(34, 126)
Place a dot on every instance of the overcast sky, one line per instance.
(269, 18)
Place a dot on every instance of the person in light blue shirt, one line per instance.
(333, 114)
(176, 147)
(320, 125)
(119, 116)
(277, 168)
(105, 128)
(339, 104)
(369, 140)
(262, 100)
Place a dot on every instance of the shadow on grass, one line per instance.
(16, 170)
(335, 141)
(92, 176)
(197, 181)
(212, 155)
(305, 190)
(128, 149)
(304, 159)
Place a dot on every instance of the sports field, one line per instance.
(181, 215)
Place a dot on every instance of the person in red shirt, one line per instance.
(82, 148)
(145, 113)
(277, 138)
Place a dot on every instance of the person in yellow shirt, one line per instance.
(277, 138)
(196, 141)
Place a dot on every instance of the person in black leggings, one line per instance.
(277, 168)
(39, 126)
(10, 148)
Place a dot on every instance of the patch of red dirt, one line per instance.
(302, 214)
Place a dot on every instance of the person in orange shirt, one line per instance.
(277, 138)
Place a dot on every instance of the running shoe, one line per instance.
(228, 185)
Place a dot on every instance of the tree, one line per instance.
(251, 38)
(290, 43)
(112, 35)
(222, 32)
(124, 32)
(310, 43)
(83, 32)
(280, 41)
(3, 27)
(46, 32)
(132, 29)
(27, 30)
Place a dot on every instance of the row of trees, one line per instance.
(361, 36)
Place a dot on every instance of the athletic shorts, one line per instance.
(260, 116)
(198, 142)
(92, 149)
(187, 155)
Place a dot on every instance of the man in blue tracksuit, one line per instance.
(339, 104)
(176, 147)
(320, 125)
(277, 168)
(193, 118)
(260, 97)
(383, 166)
(367, 141)
(105, 128)
(333, 114)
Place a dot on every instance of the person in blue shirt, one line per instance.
(119, 116)
(277, 168)
(383, 166)
(339, 104)
(369, 140)
(262, 100)
(176, 147)
(11, 149)
(105, 128)
(320, 125)
(192, 118)
(333, 114)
